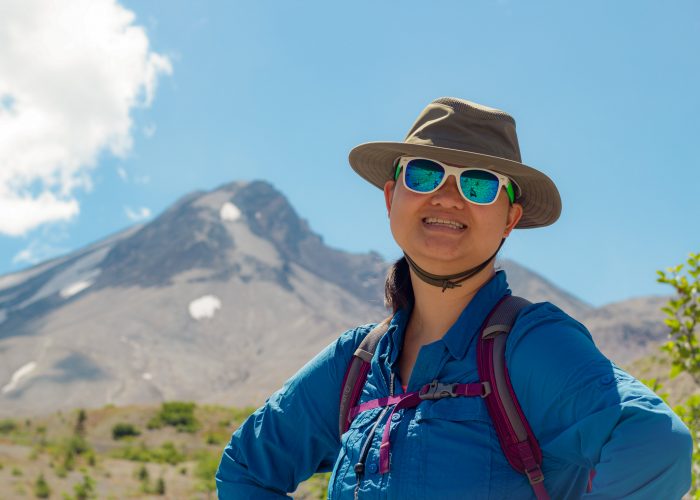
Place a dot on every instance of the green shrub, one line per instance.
(215, 438)
(86, 489)
(160, 487)
(41, 487)
(177, 414)
(123, 430)
(80, 422)
(16, 471)
(142, 474)
(167, 453)
(7, 426)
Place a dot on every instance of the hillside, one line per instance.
(159, 462)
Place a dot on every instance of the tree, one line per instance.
(683, 319)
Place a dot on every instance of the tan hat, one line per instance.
(464, 133)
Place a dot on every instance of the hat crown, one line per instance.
(454, 123)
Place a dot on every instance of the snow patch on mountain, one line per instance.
(75, 288)
(229, 212)
(19, 374)
(83, 269)
(204, 307)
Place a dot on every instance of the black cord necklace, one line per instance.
(449, 280)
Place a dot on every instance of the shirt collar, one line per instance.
(463, 331)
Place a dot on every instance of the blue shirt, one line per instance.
(585, 412)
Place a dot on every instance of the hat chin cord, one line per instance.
(449, 280)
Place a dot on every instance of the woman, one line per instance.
(454, 190)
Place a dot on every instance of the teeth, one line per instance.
(443, 222)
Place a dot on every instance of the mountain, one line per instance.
(218, 299)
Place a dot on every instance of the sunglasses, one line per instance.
(477, 185)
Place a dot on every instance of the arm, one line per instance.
(295, 433)
(588, 412)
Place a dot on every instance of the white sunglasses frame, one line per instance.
(455, 172)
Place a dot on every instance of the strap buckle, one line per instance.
(487, 389)
(436, 390)
(535, 475)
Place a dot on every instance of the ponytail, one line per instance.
(398, 291)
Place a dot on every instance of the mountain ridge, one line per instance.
(218, 299)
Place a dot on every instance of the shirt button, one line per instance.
(373, 468)
(396, 417)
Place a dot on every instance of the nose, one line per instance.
(448, 195)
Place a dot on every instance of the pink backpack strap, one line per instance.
(517, 440)
(356, 373)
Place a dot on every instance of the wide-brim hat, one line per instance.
(464, 133)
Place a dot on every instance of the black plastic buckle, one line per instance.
(436, 390)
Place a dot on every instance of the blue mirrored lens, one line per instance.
(423, 175)
(479, 186)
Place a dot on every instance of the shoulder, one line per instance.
(546, 345)
(545, 322)
(352, 338)
(342, 349)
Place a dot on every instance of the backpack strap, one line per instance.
(517, 440)
(356, 373)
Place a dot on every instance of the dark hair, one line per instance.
(398, 290)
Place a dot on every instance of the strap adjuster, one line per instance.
(535, 475)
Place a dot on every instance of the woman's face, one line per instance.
(442, 232)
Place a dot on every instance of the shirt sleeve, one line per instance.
(295, 434)
(586, 411)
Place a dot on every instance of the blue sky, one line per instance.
(605, 95)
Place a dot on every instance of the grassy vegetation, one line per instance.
(123, 452)
(177, 414)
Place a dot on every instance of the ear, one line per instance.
(515, 213)
(389, 194)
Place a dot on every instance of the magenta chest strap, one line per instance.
(432, 391)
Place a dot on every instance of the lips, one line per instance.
(439, 222)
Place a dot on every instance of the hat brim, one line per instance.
(374, 162)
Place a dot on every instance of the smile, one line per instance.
(434, 221)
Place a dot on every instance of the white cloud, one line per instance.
(70, 74)
(121, 171)
(204, 307)
(137, 215)
(142, 179)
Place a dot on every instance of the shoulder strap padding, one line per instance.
(362, 356)
(497, 328)
(503, 317)
(502, 403)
